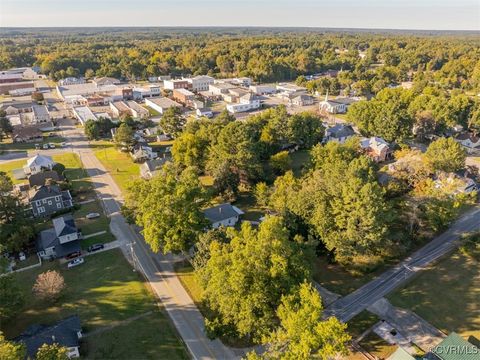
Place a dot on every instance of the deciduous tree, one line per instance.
(168, 208)
(49, 285)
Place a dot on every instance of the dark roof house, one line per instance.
(223, 215)
(41, 178)
(49, 199)
(66, 332)
(59, 241)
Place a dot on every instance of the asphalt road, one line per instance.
(347, 307)
(157, 268)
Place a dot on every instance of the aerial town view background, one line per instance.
(239, 193)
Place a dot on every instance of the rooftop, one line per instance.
(65, 333)
(221, 212)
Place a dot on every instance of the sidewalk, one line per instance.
(411, 326)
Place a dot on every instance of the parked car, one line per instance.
(22, 256)
(63, 144)
(92, 215)
(76, 262)
(51, 146)
(45, 146)
(73, 255)
(37, 146)
(95, 247)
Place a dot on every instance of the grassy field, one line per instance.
(90, 226)
(8, 167)
(102, 292)
(247, 203)
(447, 295)
(8, 144)
(360, 323)
(73, 170)
(138, 339)
(117, 163)
(337, 279)
(300, 159)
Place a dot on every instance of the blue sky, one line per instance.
(391, 14)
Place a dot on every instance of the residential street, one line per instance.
(157, 268)
(347, 307)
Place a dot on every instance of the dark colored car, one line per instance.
(95, 247)
(73, 255)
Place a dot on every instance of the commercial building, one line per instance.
(176, 84)
(183, 96)
(161, 104)
(200, 83)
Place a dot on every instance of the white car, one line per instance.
(51, 146)
(45, 146)
(75, 262)
(92, 215)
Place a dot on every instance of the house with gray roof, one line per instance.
(61, 240)
(66, 333)
(40, 179)
(223, 215)
(151, 167)
(339, 133)
(46, 200)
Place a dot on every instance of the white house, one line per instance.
(246, 103)
(40, 113)
(337, 106)
(207, 112)
(200, 83)
(302, 100)
(469, 141)
(223, 215)
(38, 163)
(161, 104)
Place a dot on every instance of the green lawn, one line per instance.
(98, 239)
(119, 164)
(9, 145)
(77, 175)
(360, 323)
(90, 226)
(136, 340)
(447, 295)
(300, 160)
(102, 291)
(8, 167)
(335, 278)
(73, 172)
(247, 203)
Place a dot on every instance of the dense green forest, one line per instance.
(452, 60)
